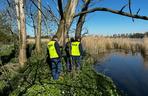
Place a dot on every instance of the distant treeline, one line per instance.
(134, 35)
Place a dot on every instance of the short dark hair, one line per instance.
(55, 36)
(72, 39)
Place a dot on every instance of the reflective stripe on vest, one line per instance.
(75, 49)
(52, 50)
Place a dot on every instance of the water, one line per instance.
(129, 72)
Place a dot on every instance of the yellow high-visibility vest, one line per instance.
(52, 50)
(75, 51)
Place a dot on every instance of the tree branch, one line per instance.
(123, 7)
(130, 9)
(53, 15)
(112, 11)
(60, 8)
(38, 9)
(81, 19)
(138, 11)
(54, 2)
(8, 3)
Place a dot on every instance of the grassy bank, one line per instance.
(36, 80)
(8, 52)
(6, 49)
(83, 83)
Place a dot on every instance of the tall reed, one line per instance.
(97, 44)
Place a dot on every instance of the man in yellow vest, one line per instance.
(76, 52)
(54, 55)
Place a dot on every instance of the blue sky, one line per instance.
(104, 23)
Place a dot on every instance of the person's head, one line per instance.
(72, 39)
(55, 38)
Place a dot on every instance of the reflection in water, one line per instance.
(129, 72)
(146, 62)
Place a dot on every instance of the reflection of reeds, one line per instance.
(146, 46)
(96, 44)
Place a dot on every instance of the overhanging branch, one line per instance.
(112, 11)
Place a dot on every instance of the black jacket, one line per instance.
(67, 49)
(81, 49)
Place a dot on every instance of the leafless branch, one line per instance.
(123, 7)
(130, 9)
(60, 8)
(112, 11)
(38, 9)
(8, 3)
(56, 5)
(138, 11)
(33, 21)
(53, 15)
(94, 2)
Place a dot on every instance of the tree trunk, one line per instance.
(66, 21)
(80, 26)
(38, 35)
(22, 32)
(60, 31)
(81, 19)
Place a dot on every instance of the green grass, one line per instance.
(36, 80)
(6, 50)
(39, 82)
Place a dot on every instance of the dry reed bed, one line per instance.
(96, 44)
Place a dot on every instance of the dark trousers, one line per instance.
(56, 67)
(68, 64)
(76, 61)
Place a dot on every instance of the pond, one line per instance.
(129, 72)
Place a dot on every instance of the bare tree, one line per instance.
(38, 35)
(19, 4)
(81, 19)
(66, 18)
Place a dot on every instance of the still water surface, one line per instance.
(129, 72)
